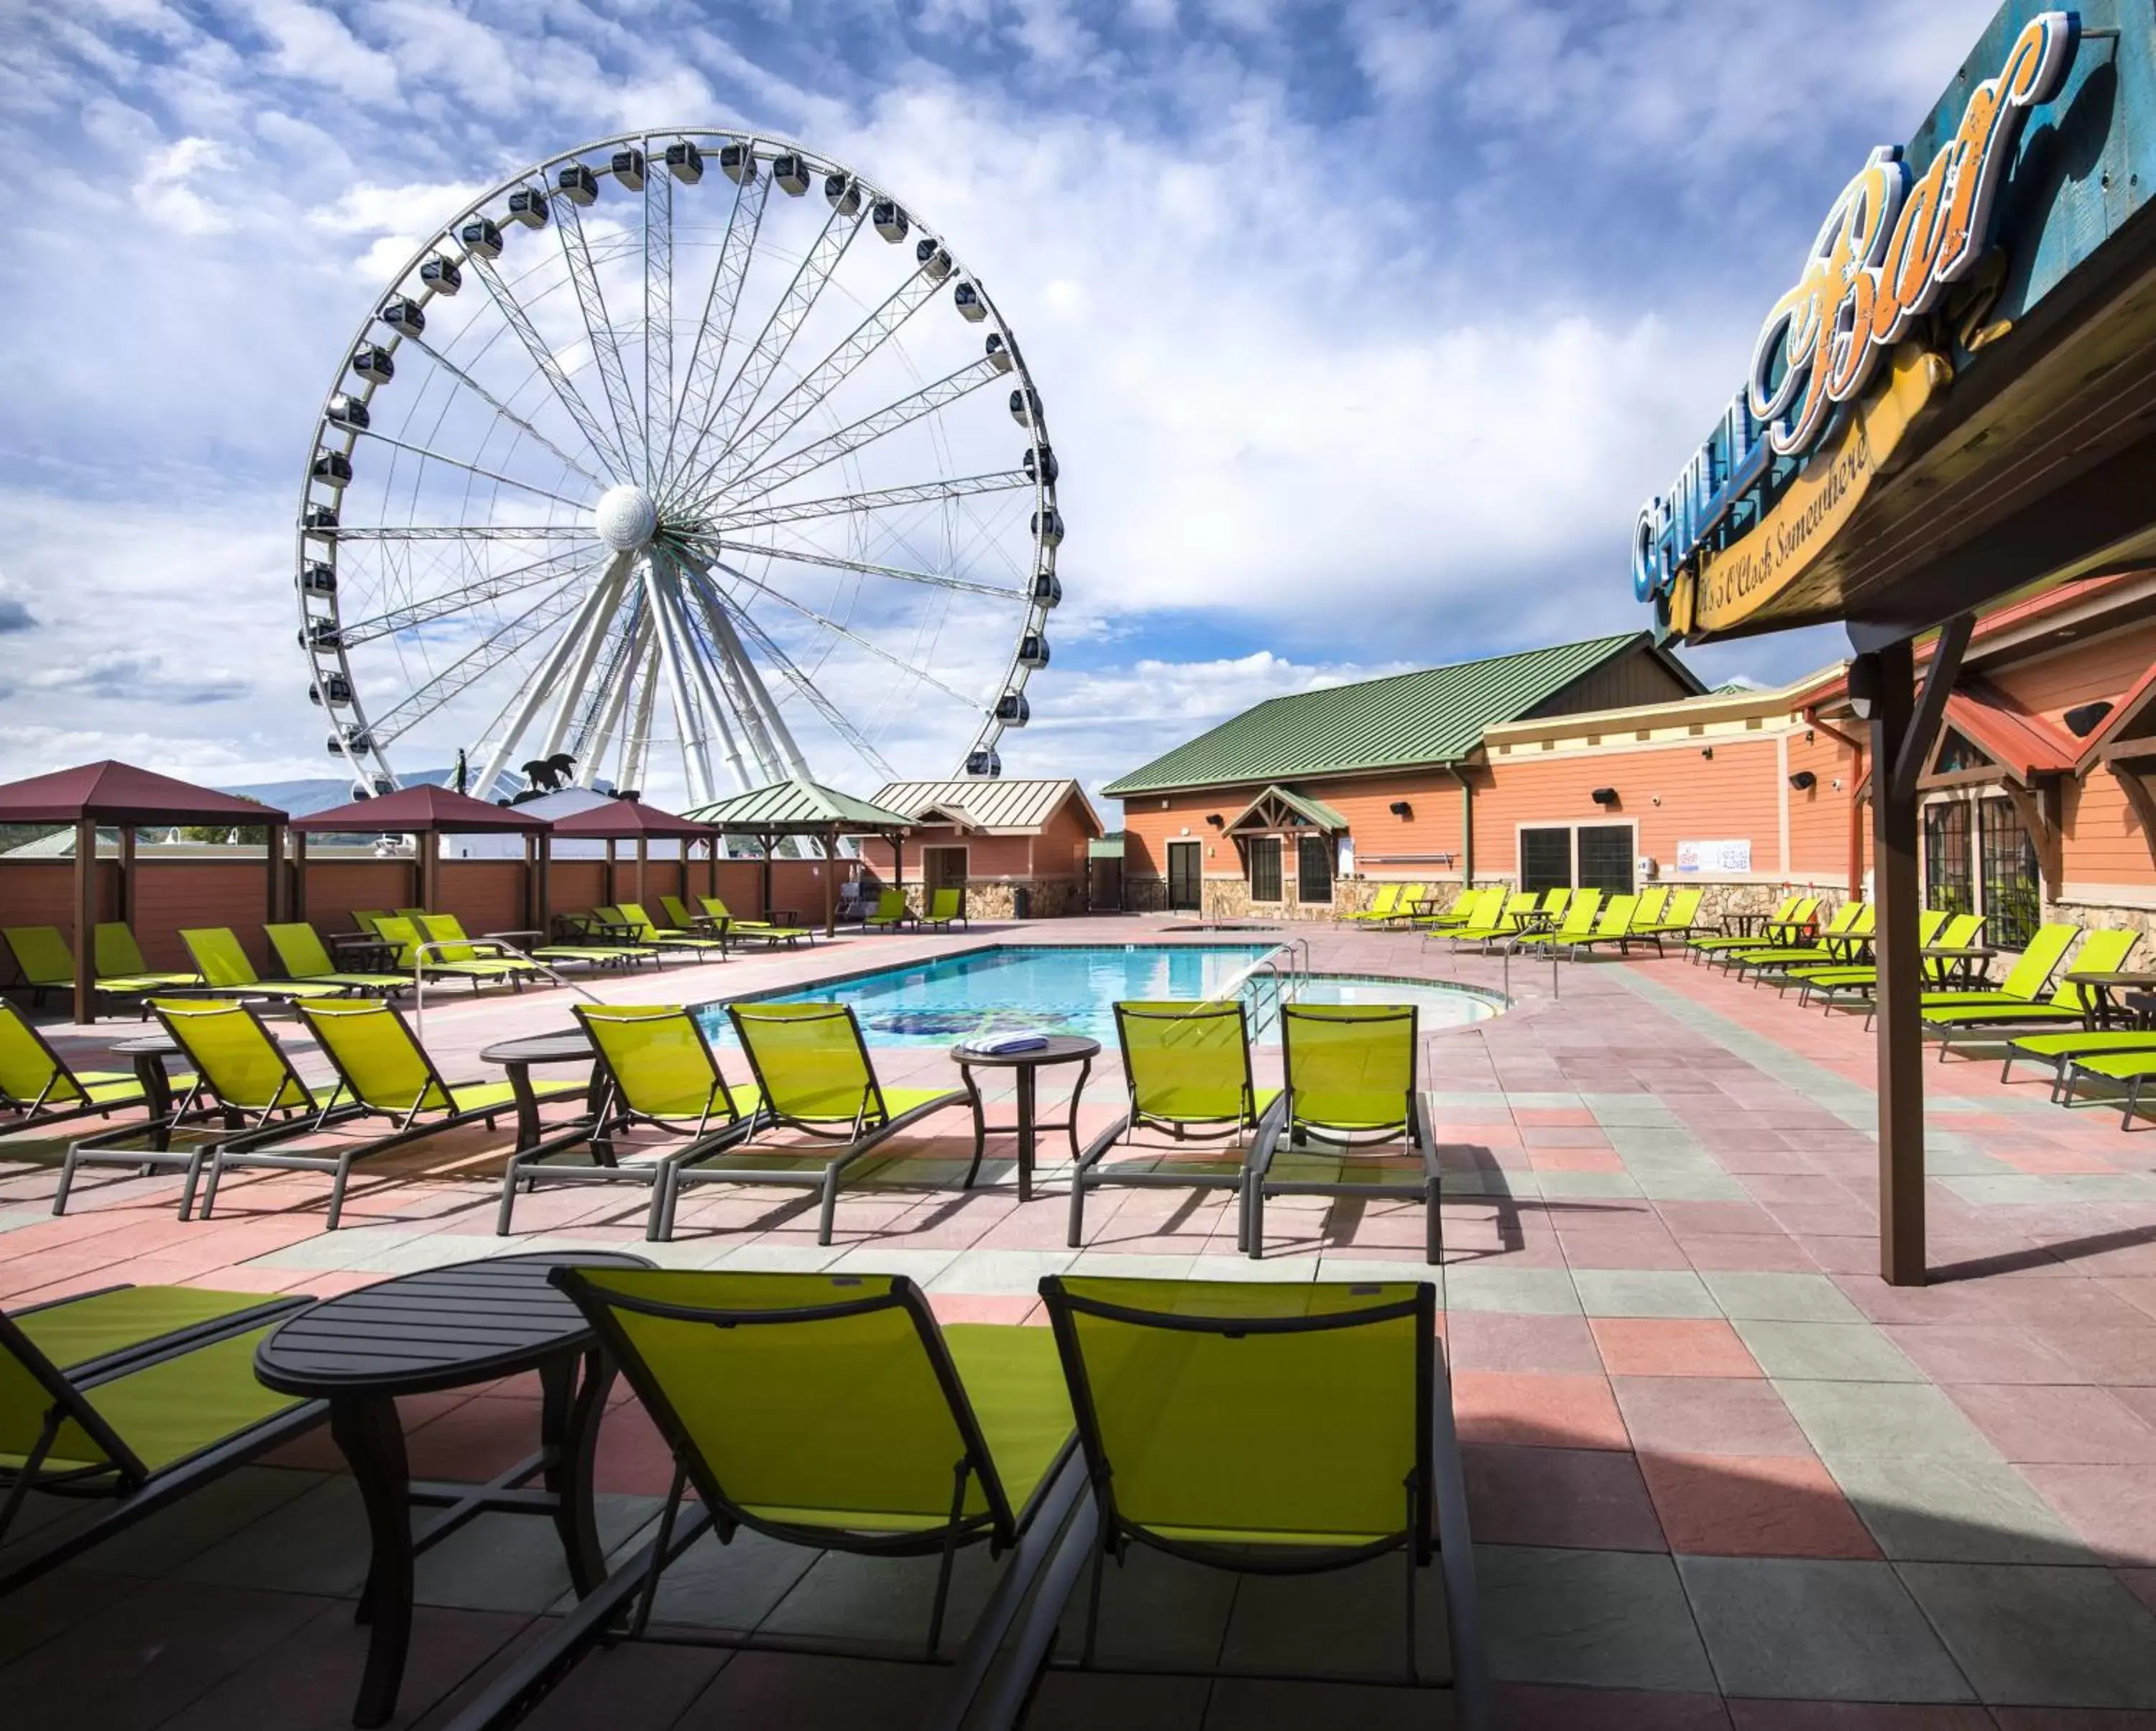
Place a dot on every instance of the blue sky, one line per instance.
(1364, 328)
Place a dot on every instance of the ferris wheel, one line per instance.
(687, 446)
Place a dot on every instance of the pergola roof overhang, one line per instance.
(630, 820)
(424, 810)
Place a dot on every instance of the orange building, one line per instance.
(1566, 766)
(1002, 842)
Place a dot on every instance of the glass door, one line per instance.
(1182, 890)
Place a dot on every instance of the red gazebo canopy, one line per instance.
(424, 810)
(110, 792)
(629, 820)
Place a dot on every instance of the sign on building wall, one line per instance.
(1713, 858)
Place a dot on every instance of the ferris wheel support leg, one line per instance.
(666, 630)
(719, 695)
(636, 746)
(742, 668)
(572, 694)
(586, 616)
(620, 681)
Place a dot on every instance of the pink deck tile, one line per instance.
(2113, 1508)
(1707, 1415)
(1531, 1409)
(2075, 1426)
(2113, 1356)
(1587, 1499)
(1746, 1253)
(1500, 1340)
(1858, 1716)
(1757, 1506)
(1663, 1346)
(1549, 1706)
(1974, 1352)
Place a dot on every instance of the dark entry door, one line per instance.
(1183, 893)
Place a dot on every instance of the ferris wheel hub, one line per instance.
(625, 518)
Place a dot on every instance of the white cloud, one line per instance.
(166, 194)
(313, 43)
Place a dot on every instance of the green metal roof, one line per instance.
(1437, 716)
(1105, 847)
(797, 804)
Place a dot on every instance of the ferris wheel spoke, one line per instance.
(756, 482)
(481, 658)
(496, 404)
(674, 658)
(603, 712)
(934, 492)
(452, 602)
(819, 383)
(461, 531)
(719, 606)
(776, 337)
(493, 475)
(658, 318)
(833, 561)
(591, 303)
(825, 622)
(715, 328)
(611, 458)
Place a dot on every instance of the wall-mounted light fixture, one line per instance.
(1863, 686)
(1401, 808)
(1810, 736)
(1706, 750)
(1802, 780)
(1215, 819)
(1605, 796)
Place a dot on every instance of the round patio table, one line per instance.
(2106, 1010)
(420, 1333)
(1060, 1049)
(148, 1052)
(571, 1045)
(1967, 965)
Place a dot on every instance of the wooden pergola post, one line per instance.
(431, 870)
(272, 866)
(85, 919)
(127, 884)
(830, 839)
(642, 860)
(298, 874)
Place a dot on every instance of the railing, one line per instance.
(1277, 968)
(500, 946)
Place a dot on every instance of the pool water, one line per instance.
(1071, 989)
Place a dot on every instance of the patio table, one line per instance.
(571, 1045)
(421, 1334)
(147, 1053)
(2106, 1010)
(1060, 1049)
(1968, 965)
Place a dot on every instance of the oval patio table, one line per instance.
(2133, 982)
(447, 1329)
(1056, 1048)
(516, 1057)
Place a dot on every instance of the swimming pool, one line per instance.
(1071, 989)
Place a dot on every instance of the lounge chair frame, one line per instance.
(136, 1491)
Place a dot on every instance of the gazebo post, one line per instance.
(85, 919)
(613, 899)
(299, 873)
(272, 867)
(767, 843)
(642, 860)
(127, 874)
(431, 870)
(830, 839)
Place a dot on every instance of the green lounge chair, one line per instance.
(761, 929)
(946, 908)
(832, 1412)
(39, 1087)
(453, 947)
(632, 916)
(654, 1067)
(1788, 930)
(1784, 910)
(382, 1072)
(44, 963)
(2131, 1069)
(814, 1074)
(1949, 1014)
(1188, 1068)
(1840, 941)
(117, 956)
(1579, 922)
(1470, 908)
(1351, 1094)
(134, 1395)
(1508, 920)
(1679, 917)
(1839, 985)
(303, 956)
(226, 970)
(678, 911)
(1613, 927)
(891, 913)
(2061, 1051)
(1382, 904)
(1412, 908)
(1648, 912)
(1267, 1428)
(2025, 980)
(405, 935)
(242, 1086)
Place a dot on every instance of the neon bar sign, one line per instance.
(1885, 256)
